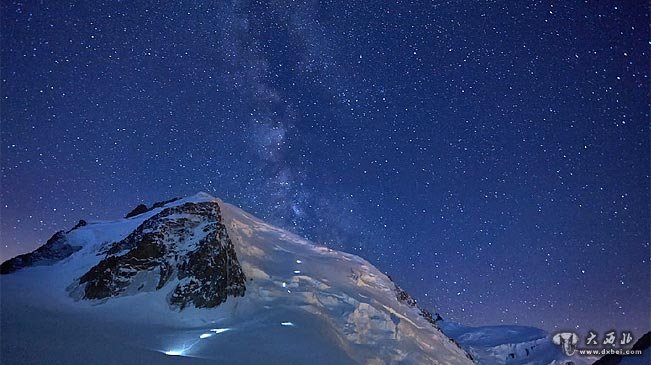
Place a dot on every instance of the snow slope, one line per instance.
(303, 304)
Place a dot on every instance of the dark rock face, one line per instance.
(642, 344)
(141, 208)
(212, 272)
(81, 223)
(55, 249)
(188, 242)
(162, 203)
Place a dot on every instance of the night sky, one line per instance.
(492, 158)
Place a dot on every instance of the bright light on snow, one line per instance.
(205, 335)
(298, 261)
(297, 271)
(220, 330)
(174, 352)
(290, 324)
(284, 284)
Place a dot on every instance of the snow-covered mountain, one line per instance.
(196, 280)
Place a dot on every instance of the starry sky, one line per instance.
(491, 157)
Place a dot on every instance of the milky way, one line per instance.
(492, 158)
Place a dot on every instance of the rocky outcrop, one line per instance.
(55, 249)
(188, 242)
(162, 203)
(141, 208)
(404, 297)
(81, 223)
(211, 273)
(407, 299)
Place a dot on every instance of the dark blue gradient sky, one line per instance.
(492, 157)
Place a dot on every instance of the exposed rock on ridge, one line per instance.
(55, 249)
(188, 242)
(141, 208)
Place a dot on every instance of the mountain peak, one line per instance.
(202, 196)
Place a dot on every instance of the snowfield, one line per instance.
(509, 345)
